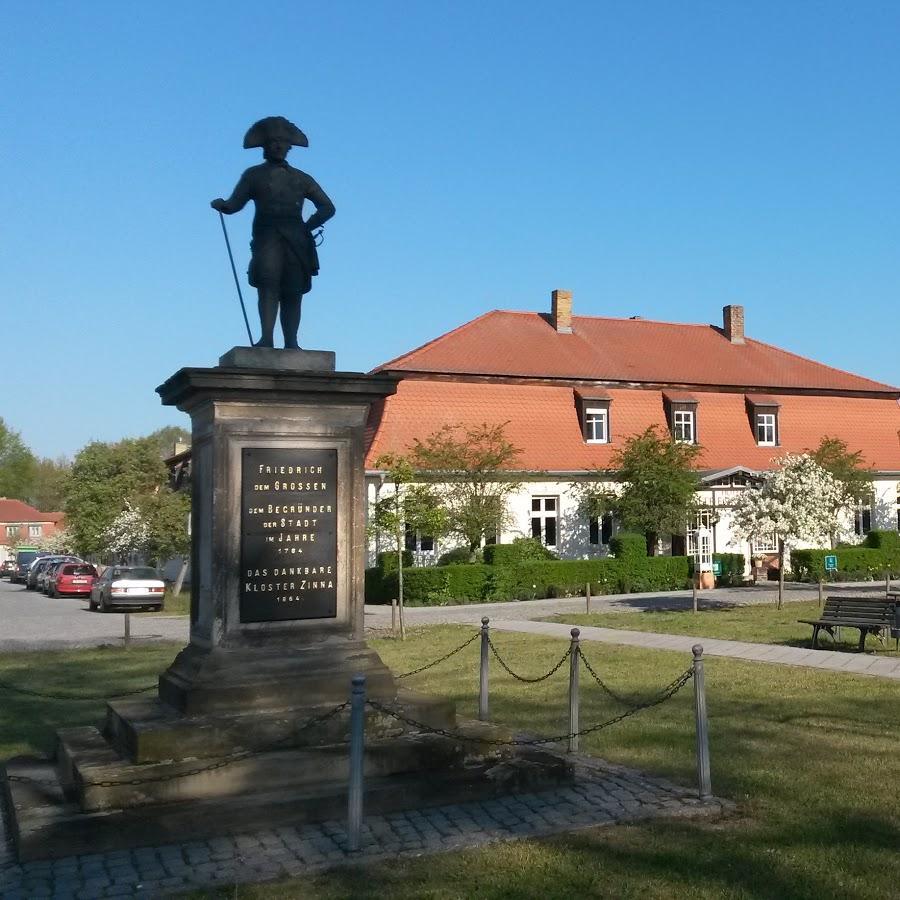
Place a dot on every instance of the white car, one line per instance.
(128, 587)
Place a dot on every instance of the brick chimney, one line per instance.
(561, 311)
(733, 323)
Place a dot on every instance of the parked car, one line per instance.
(25, 557)
(127, 586)
(71, 578)
(38, 570)
(7, 568)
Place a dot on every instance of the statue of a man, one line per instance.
(284, 257)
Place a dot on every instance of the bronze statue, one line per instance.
(284, 257)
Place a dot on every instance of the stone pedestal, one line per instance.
(276, 635)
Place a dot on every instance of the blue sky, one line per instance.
(657, 159)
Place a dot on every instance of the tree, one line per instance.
(103, 478)
(17, 465)
(166, 513)
(166, 437)
(655, 490)
(50, 478)
(848, 468)
(472, 471)
(410, 505)
(58, 542)
(799, 501)
(127, 533)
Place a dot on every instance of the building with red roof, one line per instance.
(23, 524)
(572, 388)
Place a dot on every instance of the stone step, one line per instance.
(145, 730)
(97, 778)
(47, 825)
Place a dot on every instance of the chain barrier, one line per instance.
(5, 685)
(220, 763)
(666, 694)
(619, 698)
(444, 658)
(518, 677)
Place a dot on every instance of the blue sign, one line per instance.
(717, 567)
(831, 563)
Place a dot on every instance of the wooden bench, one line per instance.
(871, 615)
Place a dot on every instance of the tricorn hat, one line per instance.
(274, 127)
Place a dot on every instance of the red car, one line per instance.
(72, 578)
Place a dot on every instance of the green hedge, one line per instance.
(854, 564)
(627, 545)
(444, 585)
(731, 570)
(883, 540)
(521, 550)
(387, 561)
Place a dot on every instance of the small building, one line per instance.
(571, 389)
(23, 524)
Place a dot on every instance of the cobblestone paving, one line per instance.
(601, 795)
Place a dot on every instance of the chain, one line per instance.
(48, 696)
(210, 767)
(445, 657)
(619, 698)
(518, 677)
(667, 694)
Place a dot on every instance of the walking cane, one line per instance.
(237, 283)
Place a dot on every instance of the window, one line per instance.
(595, 425)
(600, 529)
(765, 429)
(683, 426)
(34, 531)
(764, 543)
(416, 541)
(703, 519)
(12, 531)
(862, 519)
(543, 520)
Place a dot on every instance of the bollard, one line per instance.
(703, 776)
(694, 594)
(587, 597)
(127, 629)
(394, 617)
(574, 661)
(887, 584)
(821, 592)
(357, 759)
(483, 674)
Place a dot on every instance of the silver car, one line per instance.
(128, 587)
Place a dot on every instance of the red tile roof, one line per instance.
(543, 422)
(625, 350)
(17, 511)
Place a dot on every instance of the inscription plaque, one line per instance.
(288, 534)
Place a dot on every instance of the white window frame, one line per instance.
(859, 521)
(593, 416)
(764, 543)
(543, 515)
(703, 519)
(682, 425)
(34, 531)
(766, 424)
(12, 531)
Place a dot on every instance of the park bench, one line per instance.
(871, 615)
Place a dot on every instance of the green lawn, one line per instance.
(810, 757)
(761, 623)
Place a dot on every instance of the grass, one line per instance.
(810, 757)
(761, 623)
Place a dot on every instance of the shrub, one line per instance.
(732, 568)
(440, 585)
(854, 564)
(375, 589)
(456, 555)
(387, 561)
(519, 551)
(883, 540)
(628, 546)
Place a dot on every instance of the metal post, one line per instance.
(127, 629)
(587, 597)
(483, 676)
(887, 584)
(703, 777)
(821, 592)
(574, 653)
(393, 617)
(694, 593)
(357, 757)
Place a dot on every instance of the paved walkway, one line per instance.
(601, 795)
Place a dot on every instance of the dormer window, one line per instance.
(594, 418)
(681, 411)
(763, 413)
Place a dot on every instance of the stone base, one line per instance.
(278, 359)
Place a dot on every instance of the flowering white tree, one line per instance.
(800, 501)
(58, 542)
(128, 533)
